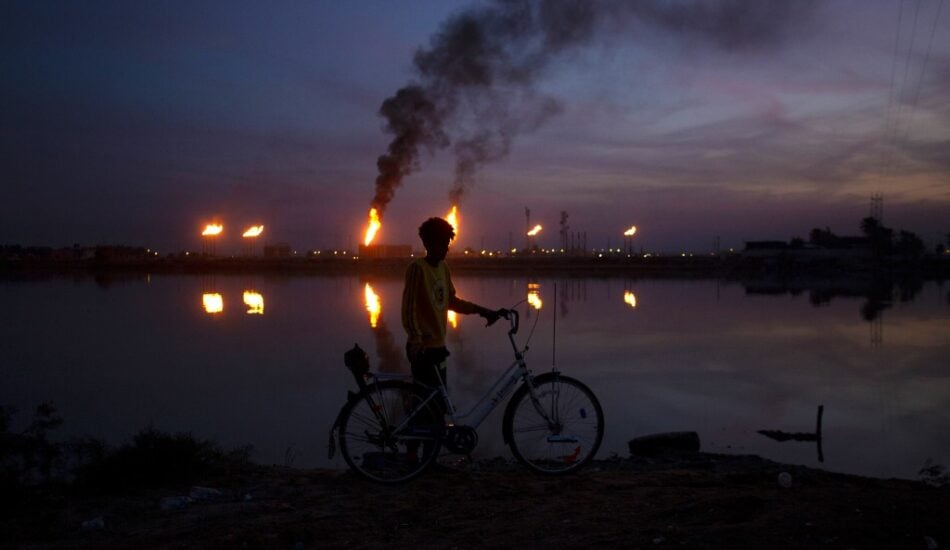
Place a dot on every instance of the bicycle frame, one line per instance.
(503, 386)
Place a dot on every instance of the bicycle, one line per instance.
(553, 424)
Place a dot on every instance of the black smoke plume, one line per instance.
(474, 87)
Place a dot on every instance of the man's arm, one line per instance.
(464, 307)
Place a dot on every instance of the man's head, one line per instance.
(436, 234)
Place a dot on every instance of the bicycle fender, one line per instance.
(331, 446)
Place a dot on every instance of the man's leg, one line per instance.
(429, 374)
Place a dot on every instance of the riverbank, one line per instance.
(697, 500)
(728, 265)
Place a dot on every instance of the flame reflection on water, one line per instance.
(254, 302)
(373, 305)
(212, 302)
(534, 295)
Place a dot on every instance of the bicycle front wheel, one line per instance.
(556, 428)
(391, 431)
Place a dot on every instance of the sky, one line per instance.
(698, 122)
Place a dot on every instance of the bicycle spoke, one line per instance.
(568, 437)
(369, 441)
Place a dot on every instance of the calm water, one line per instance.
(723, 360)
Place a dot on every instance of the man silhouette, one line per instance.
(426, 299)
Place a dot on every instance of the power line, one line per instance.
(923, 70)
(910, 53)
(893, 124)
(890, 95)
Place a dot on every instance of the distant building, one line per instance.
(385, 251)
(840, 247)
(766, 245)
(277, 250)
(119, 253)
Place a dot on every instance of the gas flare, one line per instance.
(373, 226)
(212, 229)
(534, 231)
(534, 294)
(373, 305)
(453, 218)
(630, 232)
(629, 298)
(254, 302)
(212, 302)
(254, 231)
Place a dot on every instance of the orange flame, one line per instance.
(453, 319)
(212, 302)
(453, 219)
(254, 231)
(630, 232)
(254, 302)
(534, 295)
(629, 298)
(212, 229)
(534, 231)
(374, 225)
(373, 305)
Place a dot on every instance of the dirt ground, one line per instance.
(690, 501)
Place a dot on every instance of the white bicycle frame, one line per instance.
(518, 370)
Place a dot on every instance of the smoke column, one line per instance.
(387, 351)
(474, 87)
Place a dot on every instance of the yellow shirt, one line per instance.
(426, 299)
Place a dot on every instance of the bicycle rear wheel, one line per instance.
(380, 441)
(560, 431)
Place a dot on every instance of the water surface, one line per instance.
(258, 359)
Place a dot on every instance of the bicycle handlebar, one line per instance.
(512, 317)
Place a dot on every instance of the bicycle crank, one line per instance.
(461, 439)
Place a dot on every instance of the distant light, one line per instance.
(212, 229)
(253, 231)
